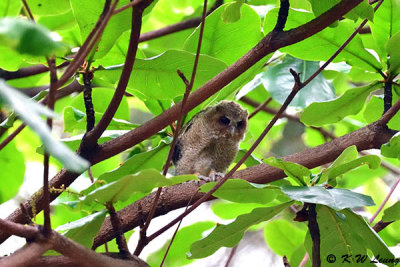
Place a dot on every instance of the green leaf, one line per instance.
(278, 81)
(335, 198)
(29, 112)
(322, 45)
(157, 77)
(84, 230)
(140, 184)
(230, 210)
(227, 41)
(392, 148)
(338, 237)
(277, 237)
(392, 213)
(87, 13)
(373, 162)
(291, 169)
(27, 37)
(231, 12)
(374, 111)
(351, 102)
(385, 24)
(40, 7)
(10, 8)
(362, 10)
(392, 48)
(181, 245)
(12, 162)
(229, 235)
(250, 161)
(238, 190)
(154, 159)
(75, 120)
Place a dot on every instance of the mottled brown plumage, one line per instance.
(209, 142)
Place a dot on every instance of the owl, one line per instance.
(209, 142)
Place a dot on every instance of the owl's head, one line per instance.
(229, 119)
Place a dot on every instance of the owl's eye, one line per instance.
(240, 124)
(224, 120)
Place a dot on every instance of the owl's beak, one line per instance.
(232, 131)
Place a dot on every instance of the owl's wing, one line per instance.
(177, 155)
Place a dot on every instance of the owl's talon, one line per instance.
(215, 176)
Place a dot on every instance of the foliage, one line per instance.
(343, 98)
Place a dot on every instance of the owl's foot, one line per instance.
(214, 177)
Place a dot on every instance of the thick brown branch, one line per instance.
(266, 46)
(91, 137)
(371, 136)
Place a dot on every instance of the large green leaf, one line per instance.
(291, 169)
(225, 41)
(322, 45)
(338, 238)
(238, 190)
(85, 229)
(157, 77)
(351, 102)
(12, 161)
(385, 24)
(335, 198)
(392, 213)
(363, 10)
(276, 233)
(392, 148)
(154, 159)
(279, 82)
(374, 111)
(229, 235)
(9, 8)
(27, 37)
(139, 184)
(180, 246)
(87, 13)
(40, 7)
(346, 162)
(232, 12)
(231, 210)
(30, 112)
(392, 47)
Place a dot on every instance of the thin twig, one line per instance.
(87, 97)
(315, 235)
(90, 41)
(180, 26)
(143, 231)
(387, 96)
(379, 226)
(385, 200)
(340, 49)
(174, 235)
(120, 238)
(390, 113)
(260, 107)
(50, 103)
(130, 4)
(91, 137)
(28, 10)
(231, 254)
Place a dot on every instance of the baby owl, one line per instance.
(208, 143)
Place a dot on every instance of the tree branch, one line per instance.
(175, 197)
(90, 139)
(263, 48)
